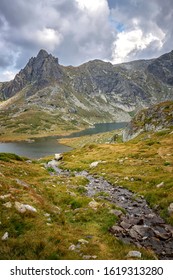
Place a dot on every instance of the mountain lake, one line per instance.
(45, 146)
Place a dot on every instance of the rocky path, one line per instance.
(139, 225)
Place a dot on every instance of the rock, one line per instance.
(135, 254)
(30, 208)
(93, 204)
(7, 204)
(86, 257)
(161, 233)
(72, 247)
(116, 229)
(125, 225)
(170, 209)
(19, 207)
(83, 241)
(94, 163)
(22, 208)
(126, 178)
(160, 185)
(116, 212)
(139, 232)
(58, 157)
(47, 215)
(5, 236)
(21, 183)
(5, 196)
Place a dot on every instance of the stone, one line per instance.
(116, 229)
(125, 225)
(47, 215)
(160, 185)
(7, 204)
(5, 236)
(86, 257)
(19, 207)
(93, 204)
(58, 157)
(30, 208)
(161, 233)
(116, 212)
(22, 208)
(94, 164)
(72, 247)
(135, 254)
(83, 241)
(5, 196)
(139, 232)
(170, 209)
(21, 183)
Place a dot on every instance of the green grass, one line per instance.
(63, 216)
(139, 165)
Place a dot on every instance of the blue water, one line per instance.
(46, 146)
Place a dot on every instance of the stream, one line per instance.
(140, 225)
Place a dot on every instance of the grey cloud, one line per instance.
(78, 35)
(151, 17)
(79, 31)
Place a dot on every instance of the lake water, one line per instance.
(46, 146)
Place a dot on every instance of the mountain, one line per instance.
(155, 118)
(73, 97)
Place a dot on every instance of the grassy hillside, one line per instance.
(62, 217)
(139, 165)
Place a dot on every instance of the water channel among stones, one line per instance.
(140, 225)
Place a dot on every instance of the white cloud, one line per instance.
(92, 5)
(7, 76)
(48, 38)
(80, 30)
(128, 42)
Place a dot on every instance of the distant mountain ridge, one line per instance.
(95, 91)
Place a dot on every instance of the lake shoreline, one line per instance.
(28, 138)
(48, 145)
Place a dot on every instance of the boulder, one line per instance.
(83, 241)
(58, 157)
(135, 254)
(116, 229)
(139, 232)
(72, 247)
(94, 163)
(7, 204)
(170, 209)
(93, 204)
(30, 208)
(22, 208)
(116, 212)
(5, 236)
(5, 196)
(160, 185)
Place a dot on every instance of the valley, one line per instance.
(111, 193)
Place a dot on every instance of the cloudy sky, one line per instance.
(76, 31)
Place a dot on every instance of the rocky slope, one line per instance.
(155, 118)
(96, 91)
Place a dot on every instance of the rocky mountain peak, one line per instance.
(42, 54)
(40, 71)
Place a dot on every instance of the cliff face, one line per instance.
(155, 118)
(39, 71)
